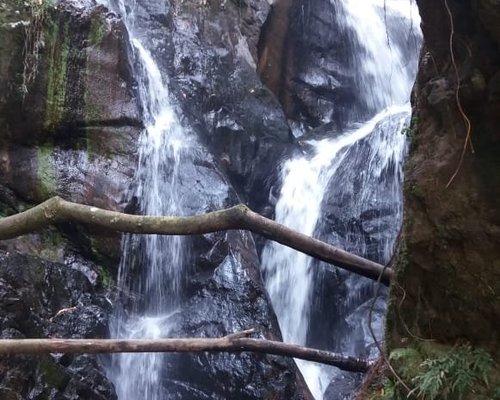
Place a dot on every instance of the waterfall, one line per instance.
(155, 288)
(362, 164)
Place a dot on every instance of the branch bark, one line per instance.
(231, 343)
(57, 210)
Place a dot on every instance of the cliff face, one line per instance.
(70, 123)
(448, 272)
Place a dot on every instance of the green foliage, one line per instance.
(411, 132)
(436, 374)
(391, 391)
(105, 278)
(454, 374)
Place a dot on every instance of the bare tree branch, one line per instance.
(235, 343)
(57, 210)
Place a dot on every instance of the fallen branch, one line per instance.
(231, 343)
(57, 210)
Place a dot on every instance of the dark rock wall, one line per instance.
(213, 75)
(69, 130)
(448, 270)
(75, 133)
(74, 130)
(43, 299)
(304, 59)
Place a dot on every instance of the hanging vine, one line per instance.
(467, 123)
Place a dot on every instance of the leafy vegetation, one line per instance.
(454, 374)
(411, 130)
(450, 375)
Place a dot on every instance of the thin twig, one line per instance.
(403, 322)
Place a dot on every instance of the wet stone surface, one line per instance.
(40, 299)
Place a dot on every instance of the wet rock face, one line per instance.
(223, 294)
(304, 58)
(209, 56)
(449, 261)
(73, 131)
(213, 76)
(361, 213)
(73, 134)
(40, 299)
(230, 299)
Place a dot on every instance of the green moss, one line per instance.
(96, 31)
(57, 78)
(96, 34)
(407, 361)
(105, 278)
(53, 374)
(411, 132)
(240, 3)
(402, 260)
(5, 210)
(52, 242)
(46, 174)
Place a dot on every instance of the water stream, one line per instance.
(362, 164)
(372, 147)
(155, 289)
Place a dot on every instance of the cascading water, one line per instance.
(161, 258)
(363, 164)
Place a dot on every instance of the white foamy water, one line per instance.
(299, 208)
(384, 78)
(157, 285)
